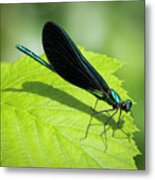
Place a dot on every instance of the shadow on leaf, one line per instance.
(62, 97)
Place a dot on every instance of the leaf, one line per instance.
(44, 118)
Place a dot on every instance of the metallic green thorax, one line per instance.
(113, 99)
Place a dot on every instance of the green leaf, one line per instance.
(44, 118)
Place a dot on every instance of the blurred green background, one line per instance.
(113, 28)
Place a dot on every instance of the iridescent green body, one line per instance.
(66, 60)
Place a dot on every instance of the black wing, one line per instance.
(68, 61)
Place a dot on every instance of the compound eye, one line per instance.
(124, 107)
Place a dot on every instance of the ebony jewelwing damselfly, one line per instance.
(65, 59)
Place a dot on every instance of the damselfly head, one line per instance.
(126, 105)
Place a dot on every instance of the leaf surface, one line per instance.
(44, 118)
